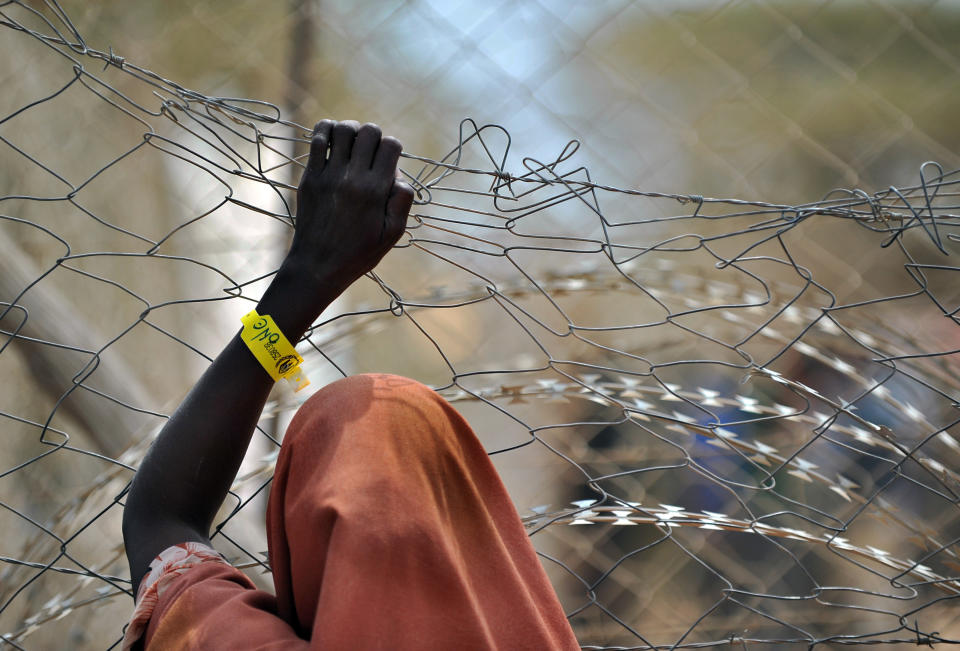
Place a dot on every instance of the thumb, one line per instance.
(398, 207)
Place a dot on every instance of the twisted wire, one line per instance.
(714, 435)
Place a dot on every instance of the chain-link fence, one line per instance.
(725, 421)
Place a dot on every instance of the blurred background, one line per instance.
(121, 255)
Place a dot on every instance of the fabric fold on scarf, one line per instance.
(388, 528)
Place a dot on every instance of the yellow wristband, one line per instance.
(274, 352)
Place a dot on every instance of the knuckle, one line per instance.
(391, 143)
(353, 186)
(370, 128)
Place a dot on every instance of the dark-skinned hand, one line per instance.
(351, 207)
(351, 211)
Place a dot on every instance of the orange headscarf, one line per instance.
(388, 528)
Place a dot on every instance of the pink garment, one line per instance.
(172, 563)
(388, 528)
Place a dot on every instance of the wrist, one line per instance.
(295, 299)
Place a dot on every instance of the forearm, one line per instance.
(186, 475)
(350, 211)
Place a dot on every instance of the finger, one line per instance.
(388, 153)
(365, 146)
(342, 139)
(398, 207)
(319, 145)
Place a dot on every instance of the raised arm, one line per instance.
(351, 210)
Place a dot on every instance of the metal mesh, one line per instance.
(724, 421)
